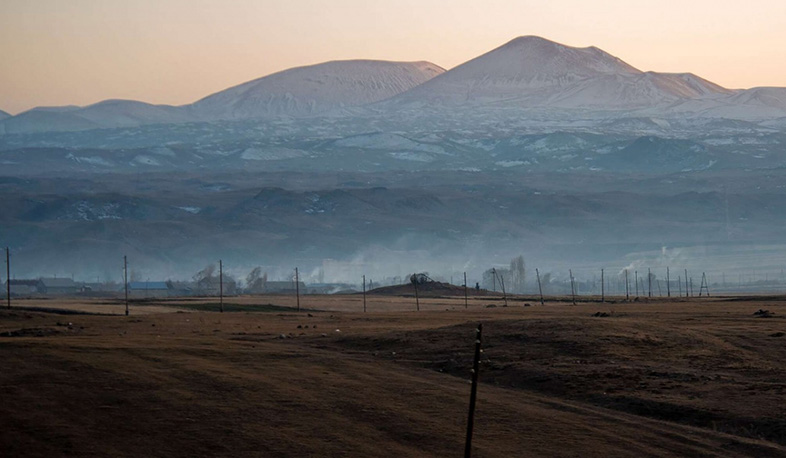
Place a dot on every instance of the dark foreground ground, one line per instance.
(626, 379)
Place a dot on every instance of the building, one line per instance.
(21, 287)
(58, 286)
(150, 289)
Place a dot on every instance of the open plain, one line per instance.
(666, 377)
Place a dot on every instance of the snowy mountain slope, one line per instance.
(532, 71)
(316, 89)
(106, 114)
(45, 121)
(529, 82)
(759, 103)
(634, 91)
(130, 113)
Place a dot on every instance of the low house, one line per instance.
(22, 287)
(58, 286)
(150, 289)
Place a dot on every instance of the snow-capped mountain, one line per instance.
(106, 114)
(529, 77)
(532, 71)
(299, 91)
(316, 89)
(755, 104)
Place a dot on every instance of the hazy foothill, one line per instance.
(614, 230)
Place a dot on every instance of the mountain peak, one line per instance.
(534, 41)
(316, 89)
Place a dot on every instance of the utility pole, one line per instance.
(540, 288)
(602, 286)
(125, 279)
(649, 280)
(668, 283)
(627, 286)
(636, 272)
(8, 276)
(705, 284)
(504, 294)
(572, 287)
(221, 284)
(494, 279)
(297, 288)
(415, 283)
(466, 298)
(473, 393)
(364, 294)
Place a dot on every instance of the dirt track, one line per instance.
(673, 379)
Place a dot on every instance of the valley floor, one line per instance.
(661, 378)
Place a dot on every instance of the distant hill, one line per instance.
(528, 78)
(532, 71)
(106, 114)
(316, 89)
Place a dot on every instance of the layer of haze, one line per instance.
(56, 52)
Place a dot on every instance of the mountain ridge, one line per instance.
(313, 89)
(533, 71)
(526, 73)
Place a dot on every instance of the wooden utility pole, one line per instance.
(572, 287)
(540, 288)
(705, 285)
(364, 294)
(602, 286)
(125, 279)
(504, 294)
(415, 283)
(474, 392)
(668, 283)
(636, 272)
(221, 284)
(297, 288)
(8, 276)
(627, 286)
(649, 281)
(466, 294)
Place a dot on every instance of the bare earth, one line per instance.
(661, 378)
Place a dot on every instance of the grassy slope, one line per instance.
(204, 384)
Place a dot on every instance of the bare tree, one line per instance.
(256, 280)
(517, 274)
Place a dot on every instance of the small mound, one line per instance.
(428, 289)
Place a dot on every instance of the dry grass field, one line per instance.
(176, 378)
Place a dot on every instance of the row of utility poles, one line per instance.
(703, 289)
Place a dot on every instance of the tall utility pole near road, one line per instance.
(221, 284)
(466, 299)
(8, 276)
(125, 279)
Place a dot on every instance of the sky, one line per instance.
(78, 52)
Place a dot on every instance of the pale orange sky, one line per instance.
(60, 52)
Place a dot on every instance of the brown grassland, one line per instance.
(704, 377)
